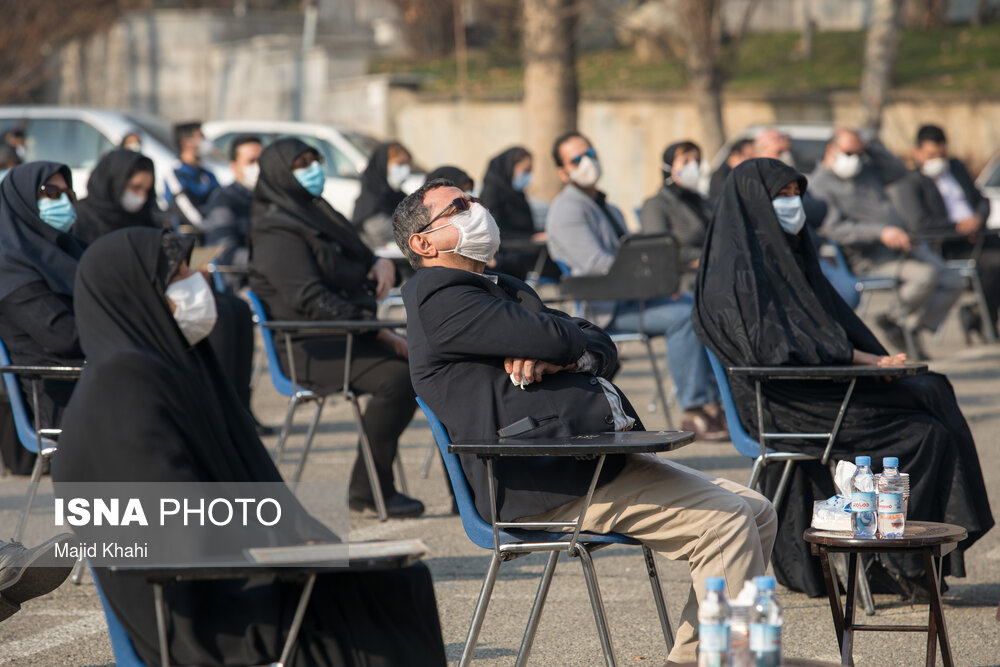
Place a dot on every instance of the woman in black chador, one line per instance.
(119, 194)
(308, 263)
(152, 406)
(761, 300)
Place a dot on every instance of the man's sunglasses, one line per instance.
(455, 207)
(591, 153)
(55, 192)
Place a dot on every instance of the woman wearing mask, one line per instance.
(38, 258)
(152, 407)
(507, 175)
(762, 300)
(118, 195)
(455, 175)
(381, 191)
(677, 208)
(308, 263)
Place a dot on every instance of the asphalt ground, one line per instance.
(67, 627)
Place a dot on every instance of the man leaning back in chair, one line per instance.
(486, 353)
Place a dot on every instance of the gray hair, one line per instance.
(411, 215)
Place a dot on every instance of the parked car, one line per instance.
(345, 154)
(989, 183)
(78, 137)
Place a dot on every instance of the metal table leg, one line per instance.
(300, 613)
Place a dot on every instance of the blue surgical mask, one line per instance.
(311, 178)
(521, 181)
(791, 215)
(57, 213)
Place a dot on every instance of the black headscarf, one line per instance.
(280, 201)
(761, 298)
(139, 364)
(453, 174)
(377, 196)
(509, 206)
(31, 250)
(101, 212)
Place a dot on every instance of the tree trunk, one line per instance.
(881, 47)
(700, 25)
(550, 87)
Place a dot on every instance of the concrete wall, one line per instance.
(630, 135)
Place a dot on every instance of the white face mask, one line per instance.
(397, 175)
(134, 146)
(132, 202)
(934, 167)
(478, 234)
(688, 175)
(195, 307)
(587, 173)
(251, 173)
(791, 215)
(846, 166)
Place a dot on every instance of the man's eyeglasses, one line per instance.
(591, 153)
(55, 192)
(457, 206)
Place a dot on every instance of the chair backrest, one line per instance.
(839, 273)
(744, 444)
(281, 383)
(121, 645)
(22, 422)
(218, 280)
(646, 267)
(478, 530)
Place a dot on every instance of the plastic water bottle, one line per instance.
(713, 625)
(891, 519)
(863, 523)
(765, 625)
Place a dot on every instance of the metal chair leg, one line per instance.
(76, 576)
(428, 459)
(480, 613)
(984, 308)
(369, 459)
(310, 434)
(286, 427)
(36, 477)
(756, 472)
(401, 474)
(536, 610)
(661, 605)
(786, 476)
(600, 616)
(655, 366)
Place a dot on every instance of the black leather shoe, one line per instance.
(397, 506)
(29, 573)
(972, 323)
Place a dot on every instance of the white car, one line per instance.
(79, 136)
(989, 183)
(345, 154)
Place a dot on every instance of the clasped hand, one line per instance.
(531, 370)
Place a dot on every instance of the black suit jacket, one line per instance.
(920, 202)
(460, 328)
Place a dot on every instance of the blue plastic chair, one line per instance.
(34, 442)
(299, 395)
(121, 645)
(514, 542)
(749, 446)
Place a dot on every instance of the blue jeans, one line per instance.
(686, 357)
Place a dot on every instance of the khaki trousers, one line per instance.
(722, 529)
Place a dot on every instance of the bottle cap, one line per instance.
(764, 583)
(862, 460)
(890, 462)
(715, 584)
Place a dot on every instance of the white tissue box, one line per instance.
(834, 513)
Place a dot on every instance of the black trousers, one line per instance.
(375, 371)
(989, 270)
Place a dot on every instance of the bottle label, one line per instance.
(863, 501)
(890, 503)
(713, 638)
(765, 638)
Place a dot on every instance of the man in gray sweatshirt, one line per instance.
(585, 232)
(861, 218)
